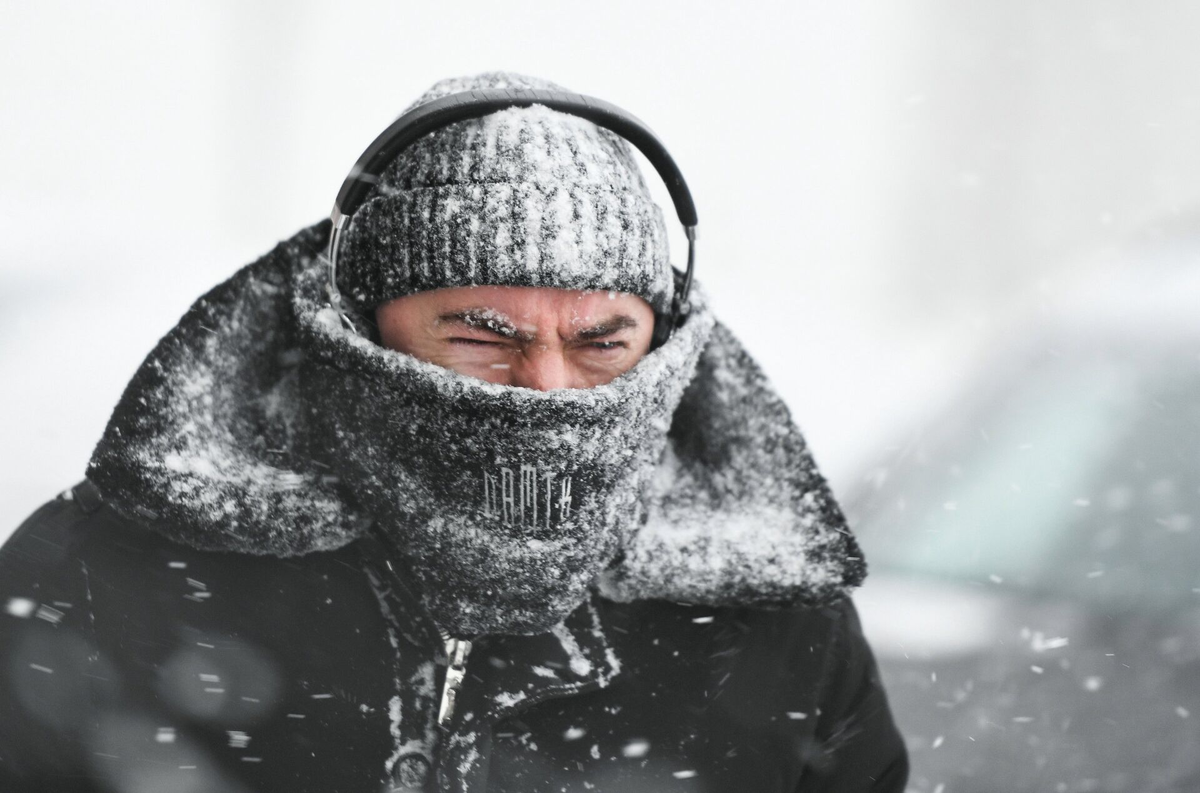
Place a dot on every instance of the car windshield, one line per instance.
(1078, 477)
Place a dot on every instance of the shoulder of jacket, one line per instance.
(818, 622)
(823, 638)
(52, 533)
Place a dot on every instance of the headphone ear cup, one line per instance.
(663, 325)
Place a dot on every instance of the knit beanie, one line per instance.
(521, 197)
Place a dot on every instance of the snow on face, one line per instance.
(534, 337)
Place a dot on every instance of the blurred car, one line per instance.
(1034, 594)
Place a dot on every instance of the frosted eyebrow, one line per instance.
(607, 327)
(486, 319)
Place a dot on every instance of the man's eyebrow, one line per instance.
(486, 319)
(607, 327)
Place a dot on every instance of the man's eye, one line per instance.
(607, 345)
(474, 342)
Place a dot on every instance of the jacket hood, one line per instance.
(211, 446)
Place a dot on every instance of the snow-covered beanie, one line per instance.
(521, 197)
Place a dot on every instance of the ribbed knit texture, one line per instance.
(521, 197)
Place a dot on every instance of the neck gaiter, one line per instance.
(506, 502)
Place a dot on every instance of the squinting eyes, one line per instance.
(600, 346)
(476, 342)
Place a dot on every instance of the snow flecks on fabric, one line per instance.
(597, 633)
(576, 655)
(205, 443)
(422, 693)
(559, 202)
(506, 699)
(414, 734)
(579, 665)
(738, 513)
(465, 744)
(422, 681)
(395, 707)
(382, 595)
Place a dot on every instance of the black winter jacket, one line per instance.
(129, 662)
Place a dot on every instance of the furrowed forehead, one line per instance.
(526, 312)
(488, 319)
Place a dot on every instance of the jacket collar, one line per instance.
(209, 445)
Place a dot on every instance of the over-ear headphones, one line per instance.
(442, 112)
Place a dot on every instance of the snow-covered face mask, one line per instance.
(506, 502)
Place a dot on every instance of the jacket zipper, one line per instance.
(457, 651)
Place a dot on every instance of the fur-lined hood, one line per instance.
(210, 446)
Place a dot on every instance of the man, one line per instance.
(486, 532)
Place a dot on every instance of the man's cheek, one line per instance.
(492, 365)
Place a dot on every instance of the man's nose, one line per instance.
(543, 369)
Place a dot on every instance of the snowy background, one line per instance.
(891, 196)
(880, 185)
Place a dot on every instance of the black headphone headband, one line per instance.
(442, 112)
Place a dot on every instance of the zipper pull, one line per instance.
(457, 651)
